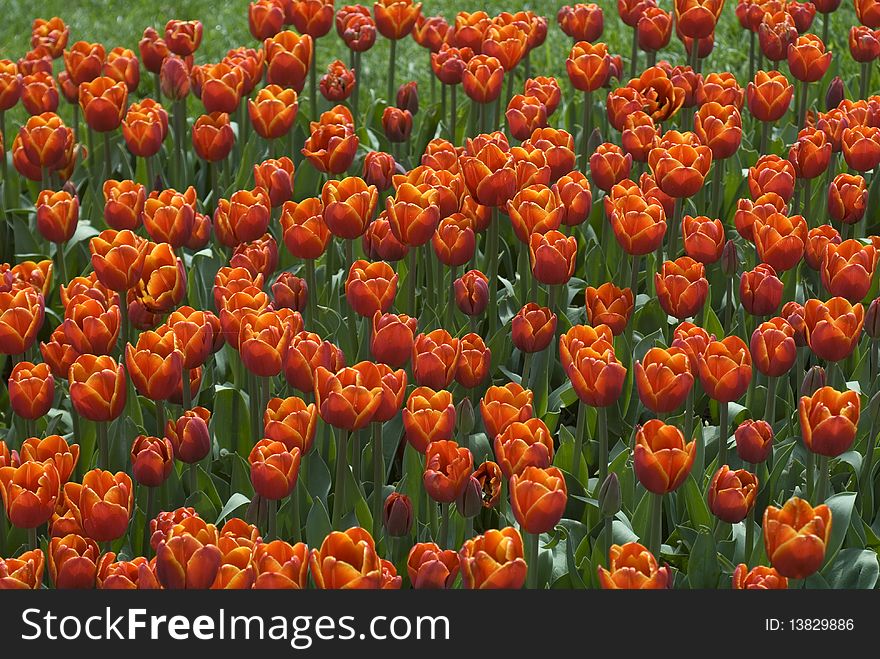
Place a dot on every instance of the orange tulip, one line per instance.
(534, 326)
(348, 206)
(807, 58)
(44, 142)
(103, 102)
(732, 494)
(272, 111)
(471, 292)
(769, 95)
(588, 66)
(304, 354)
(552, 256)
(31, 389)
(30, 492)
(102, 504)
(501, 406)
(344, 400)
(331, 147)
(84, 61)
(493, 560)
(370, 287)
(773, 347)
(274, 469)
(725, 369)
(189, 435)
(523, 444)
(780, 240)
(279, 565)
(54, 448)
(26, 571)
(185, 562)
(483, 78)
(829, 420)
(429, 567)
(97, 387)
(680, 170)
(288, 59)
(760, 290)
(537, 498)
(155, 364)
(833, 328)
(795, 537)
(435, 358)
(639, 225)
(73, 561)
(346, 560)
(633, 567)
(663, 379)
(759, 577)
(90, 326)
(474, 361)
(662, 459)
(595, 374)
(152, 459)
(682, 287)
(848, 269)
(861, 147)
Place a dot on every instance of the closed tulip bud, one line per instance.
(609, 496)
(633, 567)
(493, 560)
(153, 50)
(829, 420)
(265, 18)
(662, 458)
(754, 441)
(397, 515)
(835, 92)
(454, 241)
(731, 494)
(346, 560)
(552, 256)
(408, 97)
(30, 492)
(370, 287)
(379, 167)
(814, 379)
(811, 154)
(575, 196)
(474, 361)
(397, 124)
(833, 328)
(773, 347)
(847, 198)
(449, 63)
(276, 177)
(663, 379)
(152, 459)
(465, 414)
(57, 215)
(212, 136)
(795, 537)
(609, 165)
(435, 359)
(290, 292)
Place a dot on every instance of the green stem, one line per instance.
(689, 415)
(580, 439)
(602, 428)
(356, 92)
(674, 229)
(107, 156)
(313, 81)
(492, 255)
(378, 478)
(103, 447)
(722, 434)
(185, 391)
(32, 538)
(587, 128)
(192, 476)
(863, 81)
(179, 111)
(634, 54)
(160, 418)
(526, 369)
(296, 521)
(532, 560)
(148, 515)
(752, 37)
(802, 107)
(453, 113)
(750, 530)
(765, 136)
(312, 300)
(341, 466)
(807, 199)
(770, 408)
(656, 534)
(411, 278)
(607, 538)
(811, 474)
(717, 178)
(866, 487)
(824, 479)
(272, 519)
(444, 526)
(392, 65)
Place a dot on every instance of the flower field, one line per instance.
(327, 296)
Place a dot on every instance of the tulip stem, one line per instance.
(107, 156)
(751, 55)
(765, 136)
(634, 55)
(722, 434)
(185, 391)
(607, 537)
(453, 114)
(312, 298)
(294, 505)
(810, 474)
(492, 255)
(824, 478)
(192, 477)
(103, 448)
(770, 408)
(179, 112)
(3, 523)
(526, 370)
(532, 560)
(689, 415)
(313, 81)
(412, 263)
(802, 106)
(341, 466)
(148, 515)
(378, 478)
(866, 77)
(602, 428)
(717, 179)
(674, 229)
(808, 193)
(579, 439)
(866, 491)
(587, 127)
(444, 526)
(272, 519)
(749, 521)
(160, 418)
(656, 535)
(392, 65)
(32, 538)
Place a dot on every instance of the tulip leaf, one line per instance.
(317, 524)
(841, 506)
(854, 568)
(230, 421)
(781, 455)
(703, 569)
(318, 481)
(698, 511)
(236, 501)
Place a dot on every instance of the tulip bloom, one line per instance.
(847, 198)
(471, 292)
(152, 459)
(682, 287)
(633, 567)
(31, 389)
(588, 66)
(73, 561)
(103, 103)
(680, 170)
(21, 316)
(760, 577)
(773, 347)
(829, 420)
(185, 562)
(833, 327)
(26, 571)
(523, 444)
(848, 269)
(663, 379)
(305, 353)
(435, 358)
(274, 469)
(662, 459)
(639, 225)
(30, 492)
(533, 327)
(102, 504)
(97, 387)
(769, 95)
(279, 565)
(163, 279)
(123, 204)
(348, 206)
(538, 497)
(725, 369)
(795, 537)
(861, 147)
(189, 435)
(501, 406)
(447, 467)
(370, 287)
(346, 560)
(489, 175)
(732, 494)
(552, 256)
(609, 305)
(429, 567)
(493, 560)
(344, 400)
(780, 240)
(272, 111)
(155, 365)
(754, 441)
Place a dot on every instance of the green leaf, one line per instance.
(841, 505)
(698, 511)
(703, 569)
(230, 422)
(235, 502)
(854, 568)
(317, 524)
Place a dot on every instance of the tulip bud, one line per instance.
(594, 141)
(729, 258)
(470, 501)
(408, 97)
(814, 379)
(609, 496)
(872, 319)
(835, 93)
(465, 415)
(174, 78)
(397, 515)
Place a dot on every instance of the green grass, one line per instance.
(121, 22)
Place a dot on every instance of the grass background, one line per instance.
(121, 23)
